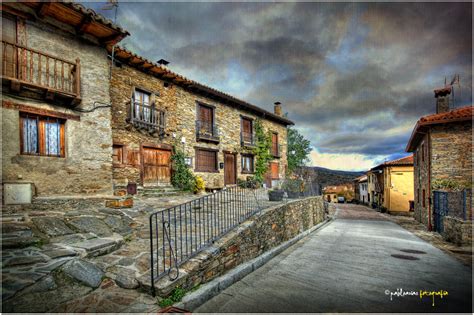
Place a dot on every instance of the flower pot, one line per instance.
(293, 194)
(275, 195)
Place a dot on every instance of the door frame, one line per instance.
(235, 166)
(163, 146)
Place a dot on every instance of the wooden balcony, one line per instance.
(206, 131)
(247, 139)
(147, 117)
(35, 73)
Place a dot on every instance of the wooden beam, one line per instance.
(43, 9)
(112, 39)
(85, 22)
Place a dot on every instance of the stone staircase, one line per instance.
(159, 191)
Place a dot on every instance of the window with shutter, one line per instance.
(275, 151)
(247, 131)
(42, 135)
(274, 170)
(117, 154)
(206, 160)
(206, 119)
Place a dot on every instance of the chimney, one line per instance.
(442, 99)
(277, 109)
(163, 62)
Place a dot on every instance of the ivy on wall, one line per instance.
(263, 143)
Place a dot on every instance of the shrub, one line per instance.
(199, 184)
(183, 177)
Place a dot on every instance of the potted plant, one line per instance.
(292, 187)
(276, 194)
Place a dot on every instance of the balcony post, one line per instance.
(78, 77)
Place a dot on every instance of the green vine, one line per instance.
(182, 178)
(449, 184)
(263, 143)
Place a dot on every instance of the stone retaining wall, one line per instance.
(457, 231)
(253, 237)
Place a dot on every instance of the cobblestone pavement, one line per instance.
(91, 258)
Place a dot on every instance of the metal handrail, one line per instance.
(206, 129)
(180, 232)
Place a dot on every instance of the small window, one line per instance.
(206, 160)
(247, 163)
(41, 135)
(275, 170)
(117, 154)
(275, 148)
(141, 109)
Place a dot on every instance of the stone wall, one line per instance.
(457, 231)
(87, 165)
(180, 106)
(253, 237)
(421, 177)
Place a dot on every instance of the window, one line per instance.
(275, 170)
(275, 148)
(206, 120)
(9, 52)
(247, 163)
(142, 108)
(206, 160)
(117, 154)
(247, 130)
(41, 135)
(424, 201)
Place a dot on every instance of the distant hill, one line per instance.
(327, 177)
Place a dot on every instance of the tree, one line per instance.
(263, 143)
(298, 150)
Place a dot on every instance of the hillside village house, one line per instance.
(361, 189)
(442, 147)
(396, 188)
(57, 139)
(155, 108)
(331, 193)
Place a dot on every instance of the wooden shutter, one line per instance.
(274, 170)
(275, 144)
(247, 125)
(206, 161)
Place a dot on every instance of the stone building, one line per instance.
(56, 134)
(155, 109)
(442, 147)
(395, 191)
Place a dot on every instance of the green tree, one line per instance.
(263, 143)
(298, 150)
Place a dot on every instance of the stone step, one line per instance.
(161, 194)
(99, 246)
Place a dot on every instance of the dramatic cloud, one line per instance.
(353, 77)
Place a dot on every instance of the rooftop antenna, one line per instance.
(111, 5)
(455, 80)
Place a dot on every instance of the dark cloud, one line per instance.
(354, 77)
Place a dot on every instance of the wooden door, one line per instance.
(272, 173)
(229, 169)
(156, 166)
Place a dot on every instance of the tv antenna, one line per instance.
(455, 81)
(111, 5)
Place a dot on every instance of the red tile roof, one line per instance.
(455, 115)
(127, 57)
(404, 161)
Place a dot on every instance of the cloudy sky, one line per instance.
(353, 77)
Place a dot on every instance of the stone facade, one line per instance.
(447, 156)
(457, 231)
(86, 167)
(180, 107)
(252, 238)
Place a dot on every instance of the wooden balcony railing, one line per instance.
(147, 117)
(207, 131)
(36, 69)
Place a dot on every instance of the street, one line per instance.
(360, 262)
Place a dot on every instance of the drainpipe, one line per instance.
(430, 227)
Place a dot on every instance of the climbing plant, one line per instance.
(182, 178)
(263, 143)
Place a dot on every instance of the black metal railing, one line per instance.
(147, 117)
(180, 232)
(206, 131)
(247, 138)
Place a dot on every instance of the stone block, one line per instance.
(84, 272)
(119, 204)
(52, 226)
(90, 224)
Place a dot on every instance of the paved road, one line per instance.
(348, 267)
